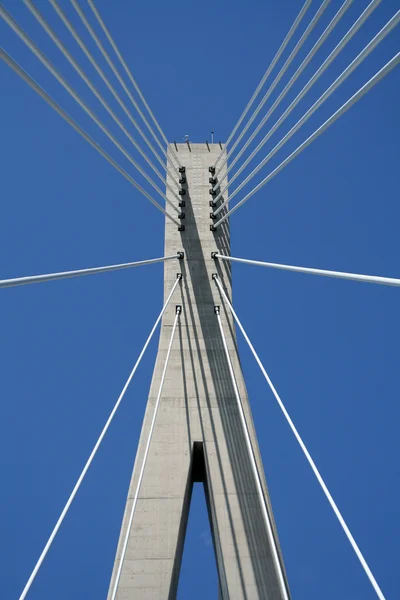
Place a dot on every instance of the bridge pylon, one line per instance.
(198, 435)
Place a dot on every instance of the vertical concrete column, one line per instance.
(198, 434)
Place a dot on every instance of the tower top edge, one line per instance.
(197, 145)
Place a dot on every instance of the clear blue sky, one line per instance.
(331, 347)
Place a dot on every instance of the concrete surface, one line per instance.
(198, 434)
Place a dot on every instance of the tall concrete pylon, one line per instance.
(198, 435)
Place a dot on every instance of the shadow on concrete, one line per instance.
(205, 326)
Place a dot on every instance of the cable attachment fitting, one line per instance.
(216, 310)
(182, 192)
(211, 192)
(213, 180)
(182, 203)
(178, 309)
(181, 215)
(213, 255)
(182, 169)
(211, 170)
(182, 180)
(181, 228)
(181, 255)
(212, 227)
(214, 276)
(179, 275)
(212, 204)
(212, 216)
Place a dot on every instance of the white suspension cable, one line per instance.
(50, 67)
(41, 92)
(257, 479)
(346, 5)
(302, 445)
(114, 70)
(129, 73)
(323, 272)
(4, 283)
(277, 79)
(135, 499)
(390, 25)
(101, 73)
(92, 455)
(373, 81)
(267, 73)
(39, 17)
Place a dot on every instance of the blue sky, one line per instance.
(331, 347)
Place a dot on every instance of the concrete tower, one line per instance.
(198, 435)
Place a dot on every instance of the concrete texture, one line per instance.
(198, 434)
